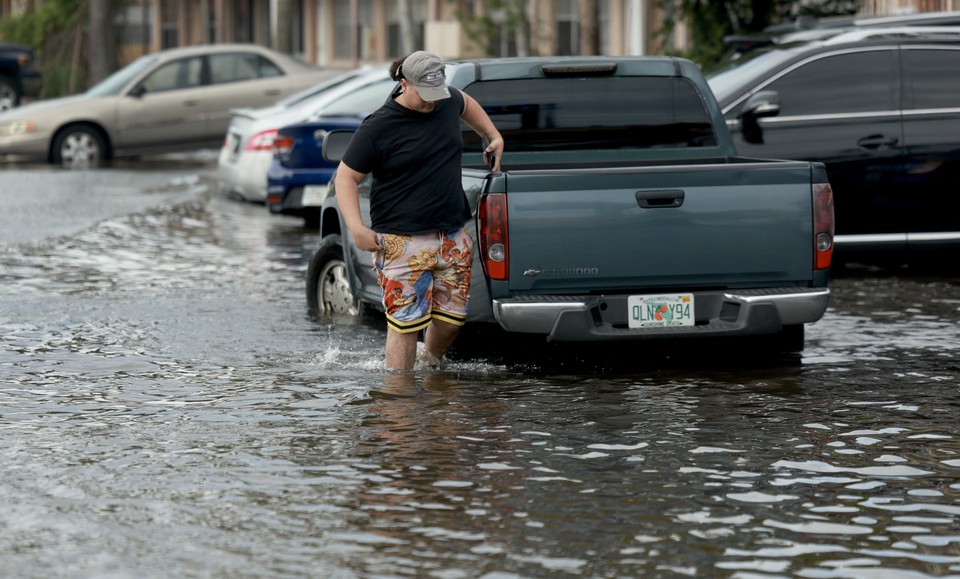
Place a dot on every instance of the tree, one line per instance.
(502, 30)
(708, 21)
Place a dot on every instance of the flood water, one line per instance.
(168, 409)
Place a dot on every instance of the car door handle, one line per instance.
(272, 92)
(190, 103)
(660, 198)
(877, 142)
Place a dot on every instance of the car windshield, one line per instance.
(114, 83)
(315, 90)
(361, 101)
(755, 64)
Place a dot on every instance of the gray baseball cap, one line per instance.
(426, 72)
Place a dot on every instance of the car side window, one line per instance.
(179, 74)
(854, 82)
(932, 81)
(234, 67)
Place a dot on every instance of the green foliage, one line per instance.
(501, 18)
(49, 19)
(709, 21)
(51, 29)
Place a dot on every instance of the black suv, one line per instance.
(18, 74)
(881, 108)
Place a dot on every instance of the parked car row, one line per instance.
(880, 106)
(176, 99)
(247, 151)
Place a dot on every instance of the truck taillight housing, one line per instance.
(822, 225)
(492, 231)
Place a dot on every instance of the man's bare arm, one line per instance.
(347, 183)
(479, 121)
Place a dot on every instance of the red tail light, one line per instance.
(492, 228)
(282, 145)
(822, 225)
(262, 141)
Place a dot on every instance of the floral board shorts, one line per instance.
(424, 277)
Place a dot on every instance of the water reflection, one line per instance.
(166, 404)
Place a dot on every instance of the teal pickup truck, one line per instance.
(621, 212)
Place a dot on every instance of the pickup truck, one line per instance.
(621, 212)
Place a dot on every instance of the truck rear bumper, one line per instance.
(748, 312)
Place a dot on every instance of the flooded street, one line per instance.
(168, 409)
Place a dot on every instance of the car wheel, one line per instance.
(9, 99)
(78, 147)
(328, 285)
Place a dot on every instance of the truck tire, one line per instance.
(78, 146)
(9, 99)
(328, 286)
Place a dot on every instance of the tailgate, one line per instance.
(743, 224)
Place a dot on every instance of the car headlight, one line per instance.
(14, 128)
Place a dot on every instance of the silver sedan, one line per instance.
(176, 99)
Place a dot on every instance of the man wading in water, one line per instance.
(422, 254)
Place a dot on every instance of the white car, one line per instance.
(248, 148)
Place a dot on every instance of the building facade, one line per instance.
(351, 32)
(341, 33)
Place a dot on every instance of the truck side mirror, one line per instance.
(765, 103)
(335, 145)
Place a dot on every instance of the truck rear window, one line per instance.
(621, 112)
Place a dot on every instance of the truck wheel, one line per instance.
(9, 99)
(328, 286)
(78, 147)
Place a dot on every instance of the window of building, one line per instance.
(136, 24)
(170, 26)
(418, 9)
(568, 27)
(353, 39)
(243, 21)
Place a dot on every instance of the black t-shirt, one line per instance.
(415, 161)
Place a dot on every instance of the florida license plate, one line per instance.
(313, 195)
(660, 310)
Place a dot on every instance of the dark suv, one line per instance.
(18, 74)
(881, 108)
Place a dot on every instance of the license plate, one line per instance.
(660, 310)
(313, 195)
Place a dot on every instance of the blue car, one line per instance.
(298, 176)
